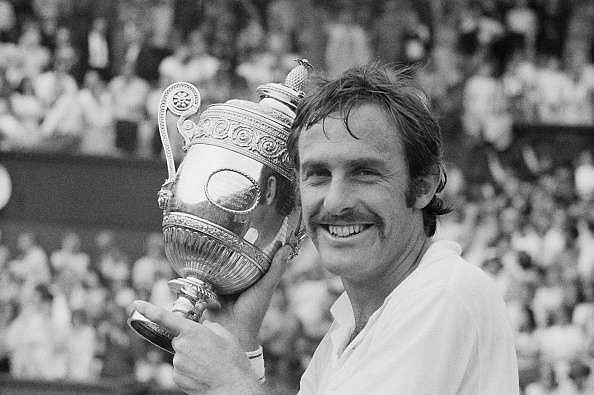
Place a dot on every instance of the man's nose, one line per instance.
(339, 197)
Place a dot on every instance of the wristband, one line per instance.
(256, 359)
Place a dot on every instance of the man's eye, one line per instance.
(366, 172)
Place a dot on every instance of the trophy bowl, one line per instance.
(231, 204)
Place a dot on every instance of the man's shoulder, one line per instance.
(453, 277)
(470, 285)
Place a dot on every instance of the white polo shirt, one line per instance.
(442, 331)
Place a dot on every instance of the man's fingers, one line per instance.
(174, 323)
(279, 265)
(219, 330)
(188, 384)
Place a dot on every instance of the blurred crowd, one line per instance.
(84, 76)
(63, 314)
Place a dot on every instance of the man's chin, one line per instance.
(340, 264)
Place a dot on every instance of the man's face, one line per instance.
(353, 193)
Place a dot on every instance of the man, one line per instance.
(415, 318)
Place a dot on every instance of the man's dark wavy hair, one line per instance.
(396, 92)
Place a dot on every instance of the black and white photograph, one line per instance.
(313, 197)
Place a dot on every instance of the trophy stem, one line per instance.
(193, 297)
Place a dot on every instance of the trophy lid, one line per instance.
(257, 129)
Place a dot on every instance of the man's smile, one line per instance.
(344, 231)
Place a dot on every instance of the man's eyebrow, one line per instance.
(350, 164)
(313, 165)
(366, 162)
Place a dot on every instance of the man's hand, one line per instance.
(242, 314)
(208, 359)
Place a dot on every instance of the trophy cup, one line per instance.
(230, 205)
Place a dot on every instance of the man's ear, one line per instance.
(424, 188)
(270, 190)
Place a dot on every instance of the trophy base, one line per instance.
(151, 332)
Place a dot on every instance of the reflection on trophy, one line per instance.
(230, 205)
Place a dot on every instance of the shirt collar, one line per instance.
(342, 310)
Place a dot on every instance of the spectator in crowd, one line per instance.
(64, 51)
(62, 126)
(110, 262)
(393, 19)
(272, 64)
(519, 81)
(347, 44)
(579, 96)
(229, 83)
(144, 272)
(485, 115)
(82, 349)
(160, 292)
(522, 25)
(584, 176)
(7, 21)
(13, 134)
(129, 93)
(190, 62)
(70, 259)
(31, 263)
(201, 66)
(35, 57)
(550, 85)
(560, 341)
(173, 67)
(29, 110)
(32, 339)
(416, 39)
(115, 344)
(97, 108)
(51, 84)
(98, 48)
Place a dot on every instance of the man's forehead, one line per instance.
(367, 123)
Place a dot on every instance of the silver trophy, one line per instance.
(231, 204)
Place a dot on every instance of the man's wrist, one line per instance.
(256, 359)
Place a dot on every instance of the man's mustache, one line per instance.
(350, 216)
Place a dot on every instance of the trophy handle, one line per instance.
(183, 100)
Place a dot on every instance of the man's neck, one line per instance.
(367, 296)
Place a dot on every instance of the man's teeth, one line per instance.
(345, 230)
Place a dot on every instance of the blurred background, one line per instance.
(511, 81)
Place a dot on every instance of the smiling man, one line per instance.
(415, 318)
